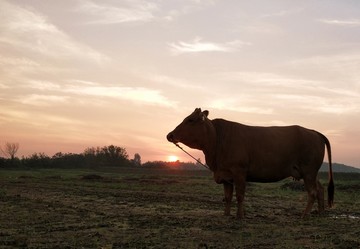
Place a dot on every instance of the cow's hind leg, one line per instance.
(320, 197)
(228, 191)
(311, 188)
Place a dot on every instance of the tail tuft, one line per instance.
(331, 190)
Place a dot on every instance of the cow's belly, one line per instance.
(273, 174)
(254, 173)
(268, 175)
(277, 178)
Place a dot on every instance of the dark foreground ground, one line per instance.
(136, 208)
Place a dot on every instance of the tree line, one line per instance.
(91, 157)
(106, 156)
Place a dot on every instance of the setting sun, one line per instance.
(172, 158)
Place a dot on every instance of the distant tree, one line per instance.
(37, 160)
(155, 165)
(58, 155)
(90, 151)
(10, 149)
(106, 156)
(68, 160)
(90, 156)
(115, 152)
(137, 159)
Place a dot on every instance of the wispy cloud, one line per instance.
(338, 69)
(264, 28)
(273, 103)
(62, 92)
(283, 13)
(42, 100)
(183, 8)
(318, 104)
(311, 96)
(137, 95)
(239, 105)
(3, 86)
(43, 85)
(345, 23)
(28, 32)
(265, 81)
(47, 93)
(125, 11)
(198, 46)
(42, 120)
(173, 81)
(17, 62)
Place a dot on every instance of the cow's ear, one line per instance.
(206, 113)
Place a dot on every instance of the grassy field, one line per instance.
(138, 208)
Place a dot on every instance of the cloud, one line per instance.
(336, 69)
(310, 96)
(236, 105)
(260, 28)
(129, 11)
(264, 81)
(41, 120)
(319, 104)
(183, 8)
(283, 13)
(345, 23)
(62, 92)
(173, 81)
(46, 93)
(43, 85)
(27, 32)
(17, 62)
(137, 95)
(4, 86)
(42, 100)
(198, 46)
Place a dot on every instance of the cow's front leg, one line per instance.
(228, 191)
(240, 185)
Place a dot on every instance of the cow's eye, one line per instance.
(190, 120)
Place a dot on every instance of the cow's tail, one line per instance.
(331, 187)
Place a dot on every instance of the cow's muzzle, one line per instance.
(170, 137)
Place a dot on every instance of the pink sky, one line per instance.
(77, 73)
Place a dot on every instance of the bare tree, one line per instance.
(10, 149)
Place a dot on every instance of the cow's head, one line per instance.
(193, 131)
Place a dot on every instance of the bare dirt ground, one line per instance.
(130, 208)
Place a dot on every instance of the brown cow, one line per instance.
(238, 153)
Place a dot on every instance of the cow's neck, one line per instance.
(209, 147)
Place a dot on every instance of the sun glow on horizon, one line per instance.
(173, 158)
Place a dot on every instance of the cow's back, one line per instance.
(268, 153)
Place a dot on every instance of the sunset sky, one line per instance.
(77, 73)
